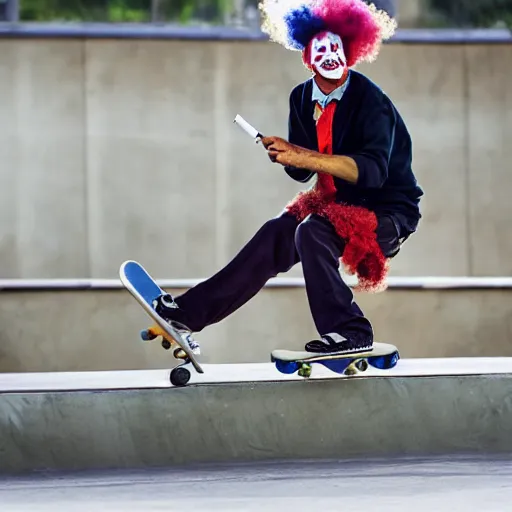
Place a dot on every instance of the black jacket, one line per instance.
(368, 128)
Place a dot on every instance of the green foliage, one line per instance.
(450, 13)
(182, 11)
(83, 10)
(473, 13)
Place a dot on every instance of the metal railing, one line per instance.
(226, 33)
(409, 283)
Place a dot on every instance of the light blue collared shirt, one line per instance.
(324, 100)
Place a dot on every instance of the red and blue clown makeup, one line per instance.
(333, 35)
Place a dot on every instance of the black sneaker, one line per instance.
(334, 343)
(164, 307)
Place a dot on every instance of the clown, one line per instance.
(326, 56)
(364, 203)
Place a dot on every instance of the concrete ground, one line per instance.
(440, 484)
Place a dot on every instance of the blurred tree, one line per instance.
(473, 13)
(182, 11)
(49, 10)
(185, 11)
(388, 6)
(458, 13)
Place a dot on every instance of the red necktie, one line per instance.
(325, 182)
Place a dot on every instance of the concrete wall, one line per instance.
(118, 149)
(98, 330)
(125, 149)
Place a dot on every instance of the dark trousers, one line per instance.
(276, 247)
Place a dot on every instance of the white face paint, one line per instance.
(327, 56)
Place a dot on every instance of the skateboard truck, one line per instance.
(154, 332)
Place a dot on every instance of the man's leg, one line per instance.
(338, 319)
(271, 251)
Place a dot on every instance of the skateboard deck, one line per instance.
(144, 289)
(383, 356)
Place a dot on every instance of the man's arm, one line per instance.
(366, 168)
(343, 167)
(378, 140)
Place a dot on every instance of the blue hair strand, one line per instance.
(302, 26)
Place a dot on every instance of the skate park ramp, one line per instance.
(249, 413)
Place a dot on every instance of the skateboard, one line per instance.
(144, 289)
(383, 356)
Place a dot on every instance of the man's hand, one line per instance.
(283, 152)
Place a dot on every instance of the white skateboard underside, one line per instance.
(379, 349)
(168, 329)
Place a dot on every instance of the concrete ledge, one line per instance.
(209, 33)
(255, 421)
(37, 382)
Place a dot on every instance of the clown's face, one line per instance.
(327, 56)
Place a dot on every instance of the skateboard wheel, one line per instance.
(180, 376)
(287, 367)
(385, 362)
(179, 353)
(362, 365)
(166, 344)
(305, 370)
(351, 370)
(147, 335)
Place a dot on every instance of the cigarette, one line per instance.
(247, 128)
